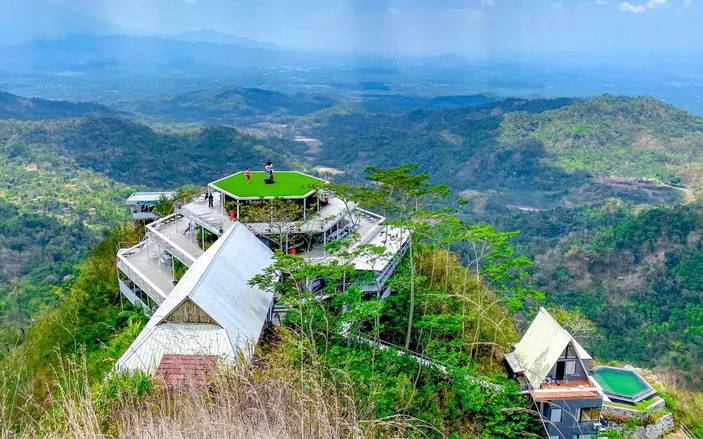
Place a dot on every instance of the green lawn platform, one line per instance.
(289, 184)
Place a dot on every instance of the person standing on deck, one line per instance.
(210, 200)
(248, 174)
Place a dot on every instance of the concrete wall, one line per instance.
(571, 426)
(653, 431)
(622, 412)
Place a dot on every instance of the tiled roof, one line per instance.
(186, 370)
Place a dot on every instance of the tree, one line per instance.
(404, 195)
(279, 220)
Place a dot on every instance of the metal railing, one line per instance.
(215, 224)
(167, 244)
(126, 246)
(687, 432)
(139, 279)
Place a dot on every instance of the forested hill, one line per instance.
(16, 107)
(539, 153)
(63, 184)
(230, 105)
(641, 282)
(136, 154)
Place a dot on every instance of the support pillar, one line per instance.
(237, 210)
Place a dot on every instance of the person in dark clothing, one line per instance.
(210, 199)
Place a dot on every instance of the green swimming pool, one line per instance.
(622, 384)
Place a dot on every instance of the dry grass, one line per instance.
(274, 402)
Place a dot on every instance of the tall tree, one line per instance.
(404, 195)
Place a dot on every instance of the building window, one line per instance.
(570, 368)
(590, 414)
(555, 416)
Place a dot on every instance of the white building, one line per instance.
(148, 271)
(141, 204)
(212, 311)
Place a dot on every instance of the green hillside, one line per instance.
(230, 105)
(16, 107)
(613, 136)
(641, 281)
(136, 154)
(540, 153)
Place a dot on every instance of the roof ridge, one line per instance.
(567, 333)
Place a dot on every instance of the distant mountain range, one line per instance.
(212, 36)
(231, 105)
(244, 106)
(145, 54)
(23, 21)
(16, 107)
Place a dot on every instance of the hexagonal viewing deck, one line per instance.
(288, 184)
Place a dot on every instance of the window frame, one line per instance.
(561, 415)
(589, 411)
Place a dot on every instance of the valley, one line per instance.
(603, 191)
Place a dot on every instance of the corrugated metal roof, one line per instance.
(148, 196)
(542, 345)
(175, 338)
(218, 283)
(513, 362)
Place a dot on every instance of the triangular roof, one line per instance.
(218, 283)
(542, 345)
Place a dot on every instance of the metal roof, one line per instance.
(218, 283)
(175, 338)
(148, 196)
(513, 362)
(542, 345)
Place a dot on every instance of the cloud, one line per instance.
(189, 2)
(638, 9)
(393, 10)
(687, 3)
(488, 2)
(602, 2)
(629, 7)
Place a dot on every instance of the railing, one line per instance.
(126, 246)
(687, 432)
(183, 201)
(168, 245)
(215, 226)
(138, 278)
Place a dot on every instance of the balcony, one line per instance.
(143, 266)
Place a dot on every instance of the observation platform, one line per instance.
(288, 185)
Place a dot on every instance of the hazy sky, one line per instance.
(471, 27)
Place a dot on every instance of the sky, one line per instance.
(422, 27)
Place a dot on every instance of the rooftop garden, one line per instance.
(287, 184)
